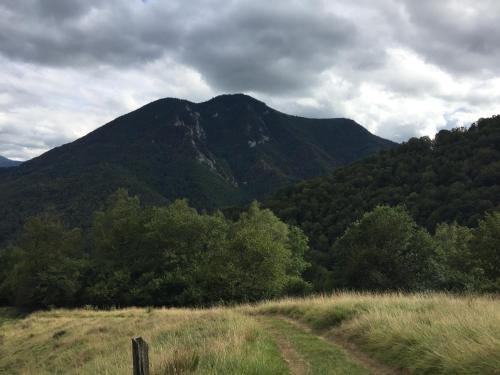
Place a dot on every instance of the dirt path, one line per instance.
(295, 362)
(350, 349)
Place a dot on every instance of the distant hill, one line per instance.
(4, 162)
(225, 151)
(455, 177)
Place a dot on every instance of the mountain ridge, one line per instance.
(224, 151)
(6, 163)
(452, 178)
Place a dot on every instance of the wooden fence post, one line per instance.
(140, 356)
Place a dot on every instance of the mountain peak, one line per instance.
(225, 151)
(236, 98)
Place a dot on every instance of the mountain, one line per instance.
(4, 162)
(455, 177)
(225, 151)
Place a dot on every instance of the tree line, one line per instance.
(452, 178)
(422, 216)
(176, 256)
(168, 256)
(386, 250)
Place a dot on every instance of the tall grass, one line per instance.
(216, 341)
(423, 333)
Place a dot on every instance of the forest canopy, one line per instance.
(423, 216)
(170, 255)
(453, 178)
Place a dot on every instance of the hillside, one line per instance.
(338, 334)
(225, 151)
(454, 177)
(4, 162)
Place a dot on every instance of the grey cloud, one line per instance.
(68, 65)
(268, 49)
(461, 37)
(252, 45)
(236, 46)
(14, 141)
(81, 33)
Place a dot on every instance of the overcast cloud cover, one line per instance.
(401, 68)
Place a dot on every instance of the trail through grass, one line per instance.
(422, 334)
(318, 357)
(418, 334)
(353, 353)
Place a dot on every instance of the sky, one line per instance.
(401, 68)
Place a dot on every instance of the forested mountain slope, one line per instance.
(226, 151)
(455, 177)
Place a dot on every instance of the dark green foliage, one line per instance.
(387, 250)
(170, 255)
(44, 268)
(453, 178)
(143, 254)
(469, 259)
(229, 150)
(117, 241)
(264, 256)
(486, 248)
(457, 268)
(384, 250)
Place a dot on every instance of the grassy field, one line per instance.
(340, 334)
(423, 334)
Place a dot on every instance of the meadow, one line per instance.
(344, 333)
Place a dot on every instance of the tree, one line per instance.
(45, 266)
(486, 248)
(298, 243)
(187, 247)
(456, 267)
(384, 250)
(171, 255)
(258, 256)
(453, 178)
(117, 244)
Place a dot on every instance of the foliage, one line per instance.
(369, 226)
(453, 178)
(486, 248)
(44, 268)
(172, 149)
(457, 268)
(170, 255)
(384, 250)
(260, 256)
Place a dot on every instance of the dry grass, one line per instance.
(212, 341)
(424, 333)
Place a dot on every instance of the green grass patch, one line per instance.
(422, 333)
(323, 357)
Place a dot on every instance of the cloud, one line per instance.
(268, 49)
(400, 68)
(459, 36)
